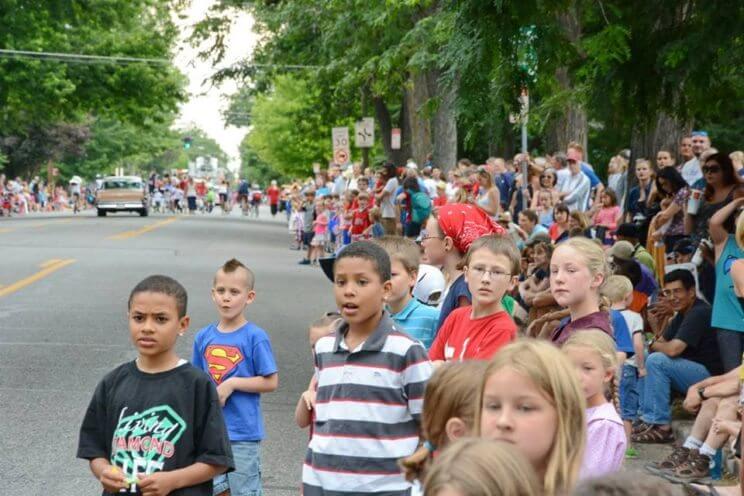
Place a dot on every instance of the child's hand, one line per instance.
(641, 371)
(113, 479)
(309, 398)
(224, 391)
(157, 484)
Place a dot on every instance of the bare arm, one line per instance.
(718, 234)
(305, 405)
(258, 384)
(672, 348)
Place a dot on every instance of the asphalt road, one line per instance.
(64, 284)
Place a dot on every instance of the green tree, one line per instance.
(39, 94)
(288, 132)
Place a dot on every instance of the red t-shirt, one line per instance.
(440, 201)
(462, 338)
(359, 221)
(273, 194)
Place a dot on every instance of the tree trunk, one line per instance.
(444, 121)
(386, 126)
(665, 132)
(420, 128)
(573, 125)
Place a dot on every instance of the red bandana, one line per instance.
(465, 223)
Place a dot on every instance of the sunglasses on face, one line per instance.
(712, 169)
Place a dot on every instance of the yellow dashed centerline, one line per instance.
(47, 268)
(146, 229)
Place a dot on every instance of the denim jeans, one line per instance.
(664, 373)
(245, 480)
(631, 393)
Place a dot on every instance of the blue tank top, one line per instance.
(727, 313)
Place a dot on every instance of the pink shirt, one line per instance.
(607, 216)
(320, 226)
(605, 442)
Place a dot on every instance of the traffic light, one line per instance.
(187, 142)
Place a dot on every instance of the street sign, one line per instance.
(341, 150)
(395, 138)
(340, 157)
(365, 133)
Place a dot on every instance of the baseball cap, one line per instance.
(684, 246)
(621, 250)
(429, 285)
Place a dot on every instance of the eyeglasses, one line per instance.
(479, 272)
(425, 235)
(711, 169)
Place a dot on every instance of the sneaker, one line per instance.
(697, 466)
(304, 261)
(677, 458)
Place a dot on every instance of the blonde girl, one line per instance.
(530, 397)
(593, 355)
(578, 270)
(448, 413)
(479, 467)
(545, 208)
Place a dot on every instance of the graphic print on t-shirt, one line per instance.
(143, 441)
(221, 360)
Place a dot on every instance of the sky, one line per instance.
(206, 101)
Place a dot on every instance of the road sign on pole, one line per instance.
(341, 150)
(395, 138)
(365, 133)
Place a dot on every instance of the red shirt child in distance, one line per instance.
(360, 216)
(477, 332)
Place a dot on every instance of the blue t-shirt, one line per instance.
(457, 289)
(727, 313)
(623, 341)
(504, 181)
(589, 172)
(418, 321)
(245, 352)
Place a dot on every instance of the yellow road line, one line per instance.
(50, 262)
(146, 229)
(46, 270)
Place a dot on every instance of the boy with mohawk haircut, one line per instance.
(237, 356)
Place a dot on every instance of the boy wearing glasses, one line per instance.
(478, 331)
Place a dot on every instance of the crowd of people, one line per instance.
(653, 267)
(466, 354)
(19, 196)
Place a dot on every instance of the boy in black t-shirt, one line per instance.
(154, 425)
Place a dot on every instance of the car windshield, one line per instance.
(121, 184)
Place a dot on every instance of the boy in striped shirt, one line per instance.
(371, 380)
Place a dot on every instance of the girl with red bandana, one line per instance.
(446, 238)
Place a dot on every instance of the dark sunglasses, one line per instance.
(711, 168)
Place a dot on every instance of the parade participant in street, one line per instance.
(448, 414)
(578, 270)
(367, 341)
(237, 355)
(273, 193)
(530, 397)
(413, 317)
(137, 400)
(478, 467)
(477, 332)
(594, 356)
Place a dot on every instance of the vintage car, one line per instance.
(122, 194)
